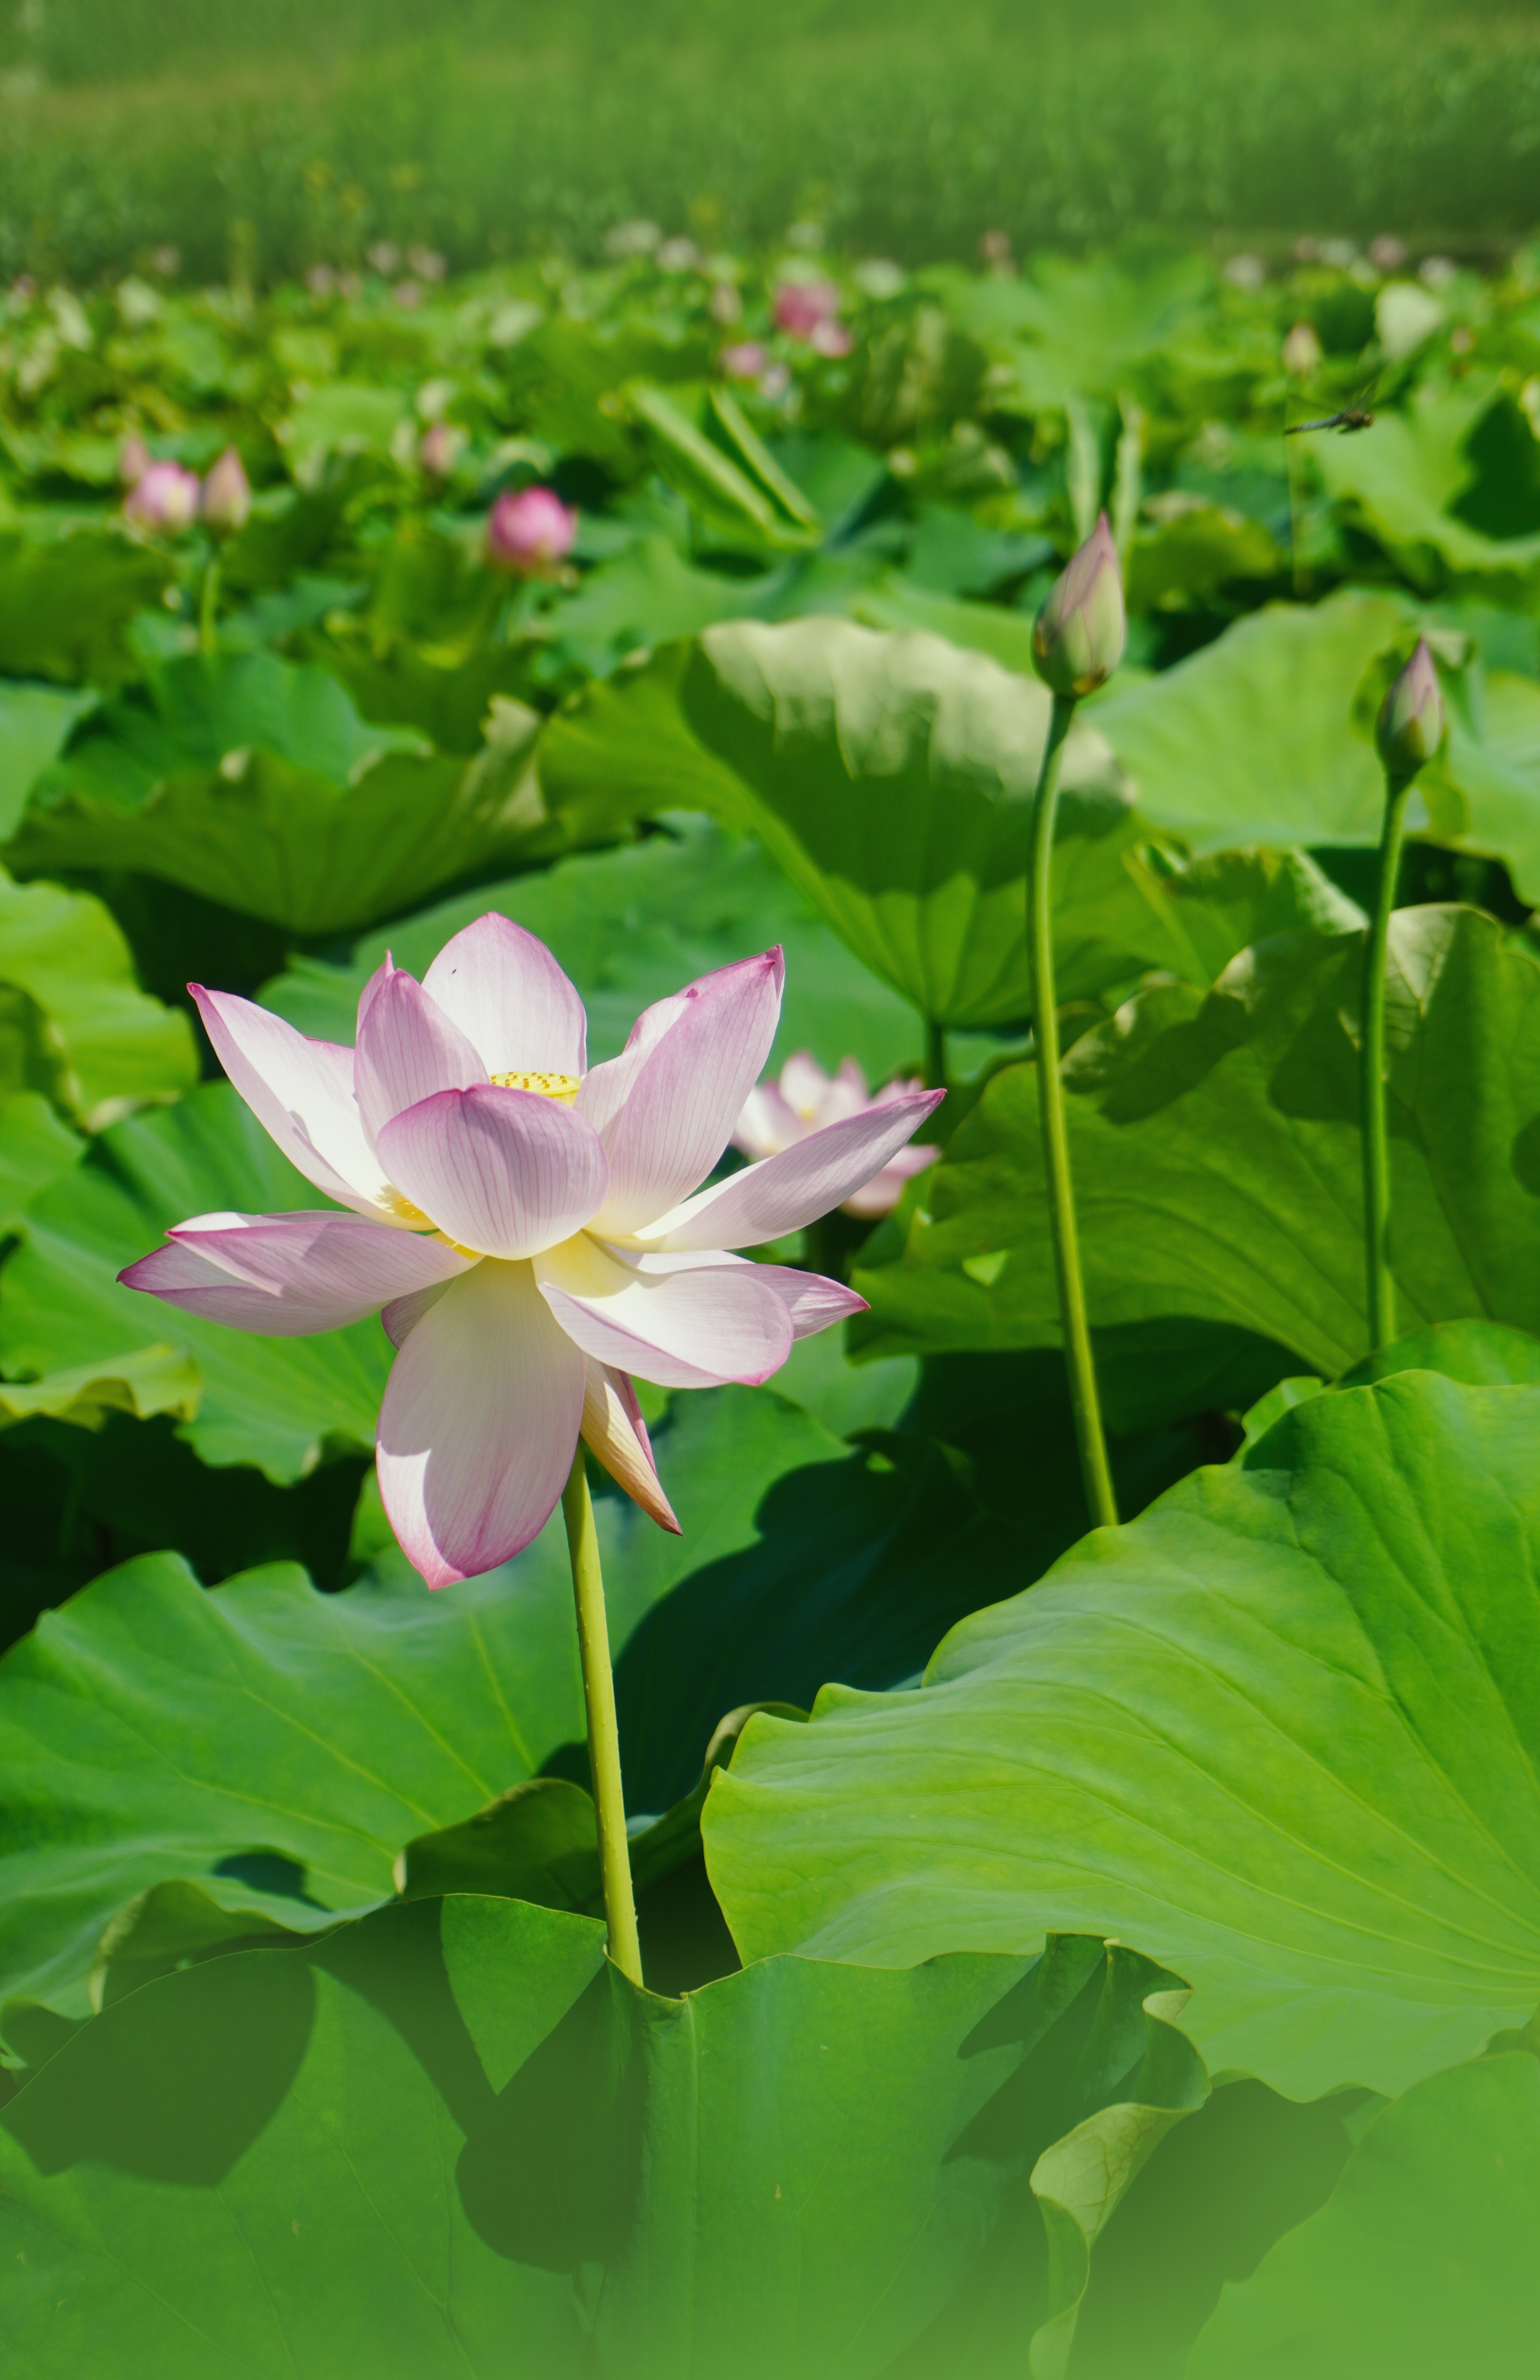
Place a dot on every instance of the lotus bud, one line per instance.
(1412, 717)
(530, 532)
(1083, 628)
(134, 460)
(744, 359)
(1302, 351)
(801, 307)
(227, 496)
(440, 449)
(164, 497)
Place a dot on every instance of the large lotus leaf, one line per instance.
(154, 1379)
(1216, 1158)
(276, 1403)
(255, 782)
(897, 603)
(892, 778)
(66, 605)
(1494, 778)
(1422, 2263)
(1283, 1729)
(643, 596)
(448, 2127)
(631, 926)
(1409, 479)
(155, 1730)
(723, 486)
(35, 1149)
(344, 417)
(1071, 327)
(34, 722)
(73, 1021)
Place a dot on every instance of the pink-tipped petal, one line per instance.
(505, 1172)
(812, 1301)
(614, 1431)
(882, 1192)
(300, 1092)
(478, 1425)
(682, 1326)
(508, 996)
(376, 983)
(284, 1276)
(408, 1049)
(666, 1108)
(783, 1193)
(769, 1123)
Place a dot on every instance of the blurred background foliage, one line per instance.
(259, 136)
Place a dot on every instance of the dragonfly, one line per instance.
(1354, 415)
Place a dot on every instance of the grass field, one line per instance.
(300, 135)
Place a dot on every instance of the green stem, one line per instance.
(935, 1055)
(1084, 1402)
(208, 606)
(598, 1694)
(1376, 1149)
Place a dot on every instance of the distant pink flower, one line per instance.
(530, 532)
(804, 1101)
(164, 497)
(134, 460)
(526, 1223)
(830, 339)
(408, 294)
(746, 360)
(226, 500)
(439, 450)
(802, 306)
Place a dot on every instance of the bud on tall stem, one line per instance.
(227, 501)
(1083, 628)
(1410, 723)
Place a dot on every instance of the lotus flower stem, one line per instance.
(1084, 1401)
(208, 606)
(1376, 1150)
(599, 1694)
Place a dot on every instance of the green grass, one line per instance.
(304, 135)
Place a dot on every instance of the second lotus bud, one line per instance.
(1083, 628)
(226, 505)
(1410, 723)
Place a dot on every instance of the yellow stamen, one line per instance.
(403, 1210)
(563, 1088)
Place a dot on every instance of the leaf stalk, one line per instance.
(1380, 1280)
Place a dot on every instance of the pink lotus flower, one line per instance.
(829, 339)
(530, 532)
(804, 1101)
(744, 359)
(164, 497)
(227, 501)
(802, 306)
(439, 449)
(527, 1226)
(134, 460)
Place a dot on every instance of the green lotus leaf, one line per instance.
(34, 722)
(1283, 1728)
(1412, 484)
(66, 603)
(1217, 1159)
(1422, 2263)
(449, 2125)
(73, 1021)
(255, 782)
(280, 1747)
(35, 1149)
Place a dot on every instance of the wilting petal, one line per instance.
(882, 1192)
(478, 1425)
(505, 1172)
(684, 1326)
(508, 996)
(614, 1430)
(300, 1092)
(665, 1109)
(408, 1049)
(286, 1275)
(783, 1193)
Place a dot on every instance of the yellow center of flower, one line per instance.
(561, 1088)
(403, 1209)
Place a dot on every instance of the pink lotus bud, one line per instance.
(408, 294)
(227, 496)
(165, 497)
(440, 449)
(134, 460)
(530, 532)
(802, 306)
(1083, 628)
(744, 360)
(1411, 718)
(427, 263)
(830, 339)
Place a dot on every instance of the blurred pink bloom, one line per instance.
(321, 281)
(350, 288)
(134, 460)
(805, 1100)
(526, 1223)
(384, 256)
(746, 360)
(830, 339)
(530, 531)
(427, 263)
(227, 496)
(408, 293)
(164, 497)
(439, 450)
(802, 306)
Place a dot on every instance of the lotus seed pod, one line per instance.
(1412, 717)
(1083, 628)
(227, 496)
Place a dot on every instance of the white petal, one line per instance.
(408, 1049)
(614, 1430)
(284, 1276)
(502, 1172)
(301, 1093)
(478, 1426)
(684, 1326)
(507, 995)
(782, 1194)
